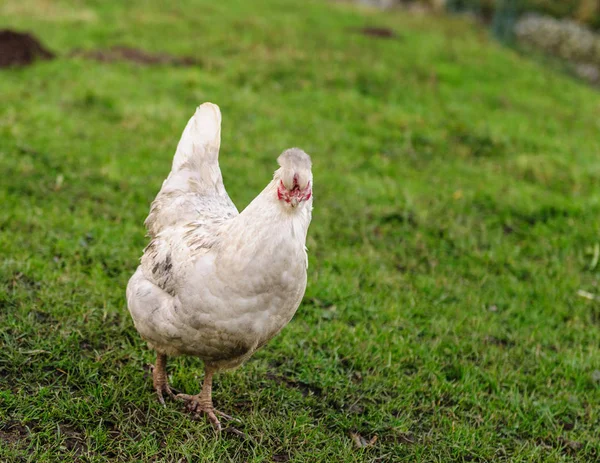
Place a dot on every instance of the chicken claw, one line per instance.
(164, 389)
(198, 405)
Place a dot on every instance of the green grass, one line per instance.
(457, 215)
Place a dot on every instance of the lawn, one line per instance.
(453, 304)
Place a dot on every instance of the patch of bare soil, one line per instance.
(281, 457)
(20, 49)
(74, 440)
(134, 55)
(378, 32)
(13, 432)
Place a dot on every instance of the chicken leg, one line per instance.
(202, 403)
(159, 378)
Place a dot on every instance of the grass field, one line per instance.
(453, 306)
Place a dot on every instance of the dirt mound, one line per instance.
(20, 49)
(136, 56)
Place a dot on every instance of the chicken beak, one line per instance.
(294, 201)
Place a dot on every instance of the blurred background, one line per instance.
(453, 305)
(563, 29)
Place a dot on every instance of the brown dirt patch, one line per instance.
(13, 432)
(134, 55)
(73, 440)
(20, 49)
(378, 32)
(281, 457)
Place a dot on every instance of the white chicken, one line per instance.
(214, 283)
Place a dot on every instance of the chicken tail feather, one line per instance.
(200, 140)
(194, 189)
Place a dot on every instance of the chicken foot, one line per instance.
(159, 378)
(202, 403)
